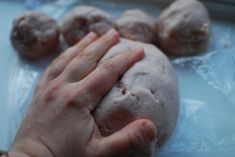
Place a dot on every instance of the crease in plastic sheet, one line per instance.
(207, 89)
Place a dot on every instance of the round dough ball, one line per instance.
(149, 89)
(35, 34)
(137, 25)
(184, 27)
(82, 20)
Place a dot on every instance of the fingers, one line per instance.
(132, 137)
(87, 60)
(101, 80)
(59, 64)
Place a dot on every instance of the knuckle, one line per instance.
(56, 67)
(108, 65)
(73, 97)
(136, 141)
(52, 91)
(70, 99)
(86, 54)
(78, 98)
(54, 71)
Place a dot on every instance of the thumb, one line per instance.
(134, 136)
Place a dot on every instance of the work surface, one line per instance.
(206, 125)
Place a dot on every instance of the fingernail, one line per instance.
(112, 33)
(139, 51)
(91, 35)
(150, 130)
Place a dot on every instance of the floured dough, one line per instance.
(82, 20)
(184, 27)
(149, 89)
(137, 25)
(35, 34)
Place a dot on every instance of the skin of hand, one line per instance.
(59, 122)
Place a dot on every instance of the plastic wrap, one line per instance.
(206, 125)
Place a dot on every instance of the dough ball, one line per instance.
(136, 25)
(35, 34)
(184, 27)
(82, 20)
(149, 89)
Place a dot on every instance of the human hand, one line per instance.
(59, 122)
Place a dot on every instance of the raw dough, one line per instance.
(82, 20)
(149, 89)
(137, 25)
(35, 34)
(184, 27)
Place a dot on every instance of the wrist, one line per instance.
(29, 148)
